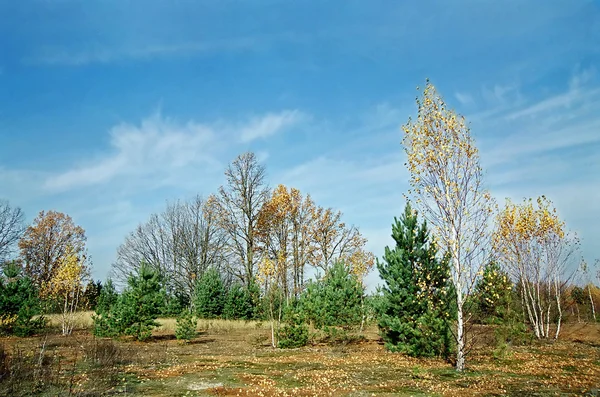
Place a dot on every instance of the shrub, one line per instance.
(135, 311)
(238, 303)
(186, 326)
(334, 301)
(209, 295)
(493, 295)
(294, 332)
(19, 303)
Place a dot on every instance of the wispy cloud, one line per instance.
(159, 147)
(59, 56)
(464, 99)
(269, 124)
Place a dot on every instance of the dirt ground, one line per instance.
(229, 359)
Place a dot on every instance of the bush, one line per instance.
(209, 296)
(104, 322)
(493, 295)
(19, 303)
(334, 301)
(186, 326)
(238, 304)
(294, 332)
(175, 303)
(136, 310)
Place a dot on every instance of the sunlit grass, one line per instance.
(83, 320)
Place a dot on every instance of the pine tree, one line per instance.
(414, 312)
(493, 294)
(104, 322)
(209, 295)
(19, 303)
(91, 294)
(334, 303)
(138, 307)
(238, 303)
(186, 326)
(107, 298)
(294, 332)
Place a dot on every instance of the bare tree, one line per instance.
(12, 226)
(180, 243)
(447, 183)
(238, 206)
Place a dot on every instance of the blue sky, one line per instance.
(110, 108)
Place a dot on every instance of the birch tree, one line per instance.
(533, 242)
(283, 231)
(67, 286)
(586, 272)
(447, 186)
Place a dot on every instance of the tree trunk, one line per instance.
(460, 336)
(460, 326)
(272, 322)
(558, 322)
(592, 302)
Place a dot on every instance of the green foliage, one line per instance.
(415, 310)
(294, 332)
(186, 326)
(104, 321)
(334, 301)
(512, 332)
(19, 303)
(136, 310)
(493, 295)
(108, 298)
(371, 305)
(175, 303)
(209, 296)
(238, 304)
(91, 294)
(578, 295)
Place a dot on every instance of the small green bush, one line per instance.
(19, 303)
(186, 326)
(294, 332)
(135, 310)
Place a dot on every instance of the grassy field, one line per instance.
(231, 358)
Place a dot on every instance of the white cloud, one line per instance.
(160, 148)
(464, 98)
(269, 124)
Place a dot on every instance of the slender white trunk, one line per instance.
(460, 336)
(272, 323)
(460, 326)
(592, 301)
(558, 323)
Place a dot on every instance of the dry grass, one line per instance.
(234, 358)
(83, 321)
